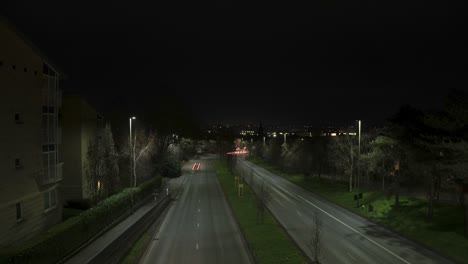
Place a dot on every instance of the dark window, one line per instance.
(45, 69)
(35, 72)
(14, 67)
(45, 109)
(18, 163)
(25, 69)
(18, 118)
(19, 211)
(51, 109)
(49, 147)
(1, 63)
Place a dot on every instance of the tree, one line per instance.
(344, 152)
(262, 199)
(446, 145)
(316, 242)
(381, 157)
(101, 165)
(273, 152)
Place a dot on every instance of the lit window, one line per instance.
(99, 185)
(19, 211)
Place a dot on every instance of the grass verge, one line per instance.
(134, 254)
(444, 234)
(268, 242)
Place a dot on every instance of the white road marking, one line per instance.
(351, 256)
(341, 222)
(198, 200)
(198, 209)
(299, 213)
(198, 225)
(197, 246)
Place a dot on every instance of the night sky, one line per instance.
(324, 62)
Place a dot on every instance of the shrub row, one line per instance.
(62, 239)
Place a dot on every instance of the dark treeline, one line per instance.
(416, 150)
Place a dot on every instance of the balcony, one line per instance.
(52, 174)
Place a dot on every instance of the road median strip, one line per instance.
(267, 241)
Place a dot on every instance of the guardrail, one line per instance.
(118, 248)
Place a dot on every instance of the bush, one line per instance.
(171, 168)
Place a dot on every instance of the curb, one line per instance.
(246, 244)
(306, 257)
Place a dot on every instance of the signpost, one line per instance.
(357, 197)
(241, 189)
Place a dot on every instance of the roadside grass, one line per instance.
(70, 212)
(134, 254)
(444, 234)
(268, 242)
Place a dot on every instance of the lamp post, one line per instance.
(359, 151)
(132, 168)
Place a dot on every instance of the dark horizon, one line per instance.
(318, 63)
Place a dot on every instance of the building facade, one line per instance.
(31, 167)
(81, 124)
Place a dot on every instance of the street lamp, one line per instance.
(359, 151)
(132, 168)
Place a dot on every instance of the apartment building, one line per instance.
(81, 124)
(30, 140)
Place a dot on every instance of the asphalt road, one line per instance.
(199, 226)
(347, 238)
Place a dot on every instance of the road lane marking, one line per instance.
(354, 230)
(197, 246)
(198, 200)
(351, 256)
(198, 209)
(299, 213)
(198, 225)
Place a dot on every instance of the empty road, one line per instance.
(347, 238)
(199, 226)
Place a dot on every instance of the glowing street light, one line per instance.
(359, 151)
(132, 168)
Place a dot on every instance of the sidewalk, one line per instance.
(90, 253)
